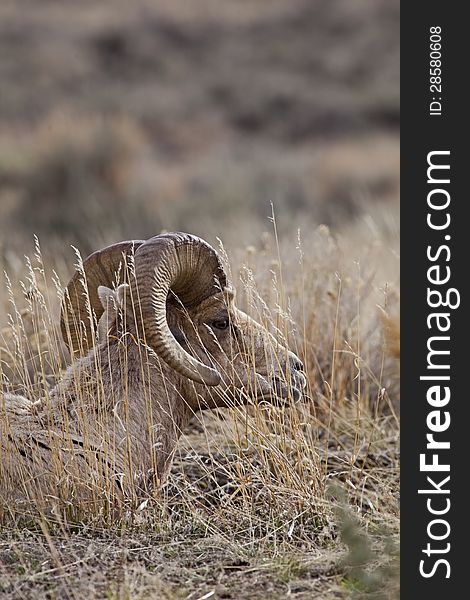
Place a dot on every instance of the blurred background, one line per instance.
(121, 119)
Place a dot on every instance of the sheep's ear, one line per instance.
(121, 293)
(108, 300)
(107, 297)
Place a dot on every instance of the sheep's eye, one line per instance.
(221, 324)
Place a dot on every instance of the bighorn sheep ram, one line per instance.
(170, 341)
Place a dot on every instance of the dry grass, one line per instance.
(249, 508)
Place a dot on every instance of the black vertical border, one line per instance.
(420, 134)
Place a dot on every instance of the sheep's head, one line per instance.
(178, 300)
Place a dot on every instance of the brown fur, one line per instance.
(116, 416)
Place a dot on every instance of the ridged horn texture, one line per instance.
(180, 262)
(105, 267)
(193, 271)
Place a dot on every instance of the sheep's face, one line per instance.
(252, 364)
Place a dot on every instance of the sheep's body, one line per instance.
(116, 416)
(111, 425)
(16, 404)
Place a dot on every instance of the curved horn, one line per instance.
(193, 270)
(81, 304)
